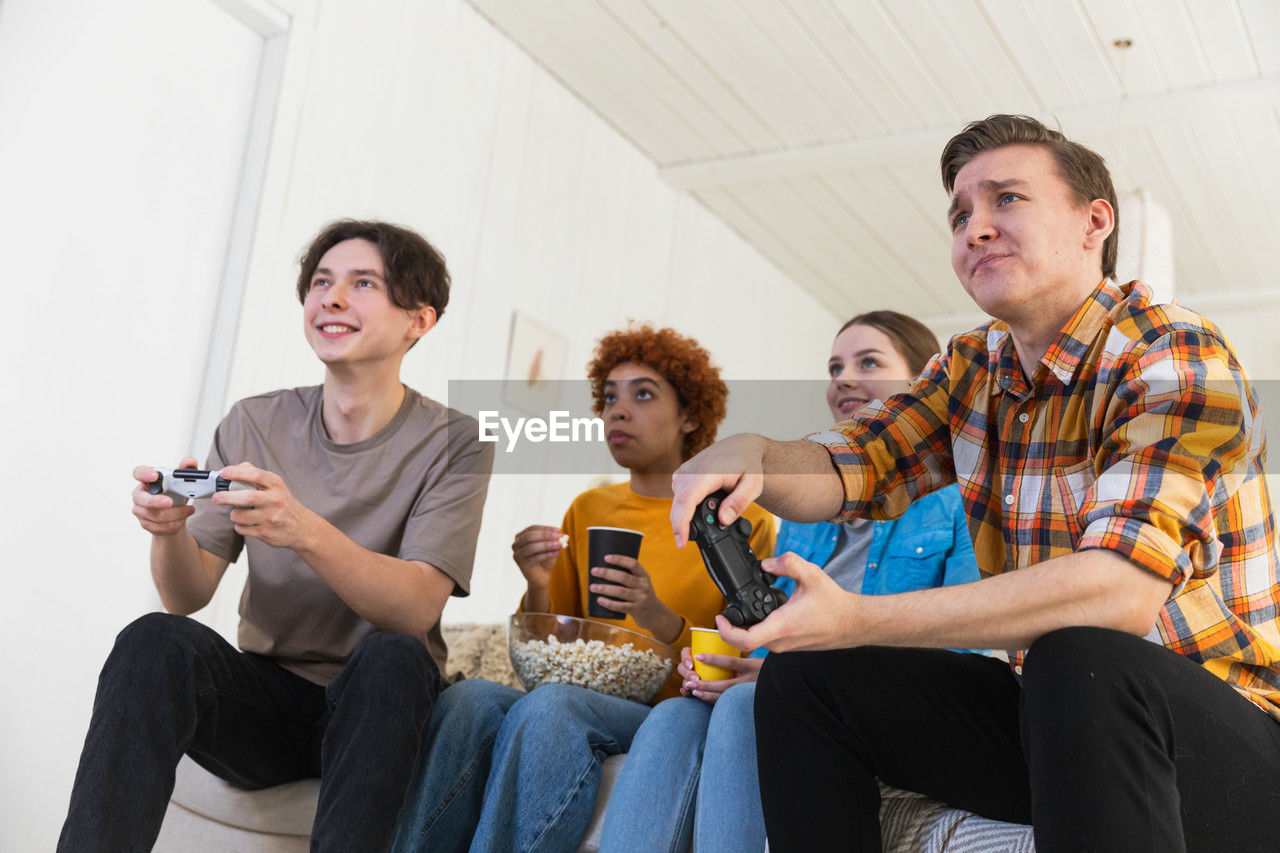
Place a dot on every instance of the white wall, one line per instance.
(1252, 331)
(415, 111)
(117, 184)
(537, 205)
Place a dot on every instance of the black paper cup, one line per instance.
(600, 542)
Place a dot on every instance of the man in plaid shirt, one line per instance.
(1110, 455)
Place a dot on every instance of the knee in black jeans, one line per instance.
(155, 631)
(1065, 651)
(803, 690)
(874, 670)
(392, 652)
(154, 647)
(788, 671)
(392, 668)
(1078, 679)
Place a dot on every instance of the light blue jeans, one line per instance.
(691, 771)
(502, 770)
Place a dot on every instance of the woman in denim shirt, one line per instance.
(700, 750)
(928, 546)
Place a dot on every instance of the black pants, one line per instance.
(1108, 743)
(172, 685)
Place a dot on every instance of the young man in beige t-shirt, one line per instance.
(361, 522)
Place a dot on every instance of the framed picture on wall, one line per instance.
(535, 365)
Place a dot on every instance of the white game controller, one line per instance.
(183, 484)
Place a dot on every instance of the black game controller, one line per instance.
(183, 484)
(731, 564)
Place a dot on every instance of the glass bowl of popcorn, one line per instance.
(549, 649)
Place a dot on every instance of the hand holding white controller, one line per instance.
(183, 484)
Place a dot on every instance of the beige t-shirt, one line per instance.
(414, 491)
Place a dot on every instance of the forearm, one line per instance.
(537, 599)
(800, 483)
(665, 624)
(178, 570)
(385, 591)
(1010, 611)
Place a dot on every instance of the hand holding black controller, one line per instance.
(732, 565)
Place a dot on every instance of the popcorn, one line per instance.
(621, 671)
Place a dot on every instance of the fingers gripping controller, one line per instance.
(183, 484)
(733, 567)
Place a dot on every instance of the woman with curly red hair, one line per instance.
(519, 771)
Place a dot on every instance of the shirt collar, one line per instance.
(1064, 356)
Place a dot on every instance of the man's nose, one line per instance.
(335, 296)
(979, 229)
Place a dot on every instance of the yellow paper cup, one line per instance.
(706, 641)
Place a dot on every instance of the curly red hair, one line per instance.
(681, 361)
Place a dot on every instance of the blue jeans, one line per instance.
(689, 752)
(729, 816)
(172, 685)
(505, 770)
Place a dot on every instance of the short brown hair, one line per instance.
(681, 361)
(416, 273)
(911, 338)
(1083, 170)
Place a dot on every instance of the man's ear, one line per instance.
(422, 319)
(1101, 222)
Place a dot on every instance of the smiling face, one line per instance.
(348, 316)
(1023, 248)
(865, 365)
(643, 422)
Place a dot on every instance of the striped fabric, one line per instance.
(1138, 434)
(911, 823)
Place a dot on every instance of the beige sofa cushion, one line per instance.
(188, 832)
(288, 809)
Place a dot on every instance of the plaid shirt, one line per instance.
(1138, 433)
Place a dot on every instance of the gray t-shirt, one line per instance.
(848, 563)
(415, 491)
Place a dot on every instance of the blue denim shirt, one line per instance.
(928, 546)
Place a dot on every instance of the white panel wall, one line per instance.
(1252, 331)
(117, 184)
(421, 113)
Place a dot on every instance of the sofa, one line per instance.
(209, 815)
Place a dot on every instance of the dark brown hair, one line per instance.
(681, 361)
(1084, 172)
(911, 338)
(416, 273)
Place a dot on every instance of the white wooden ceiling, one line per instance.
(813, 127)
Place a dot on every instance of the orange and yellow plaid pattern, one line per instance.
(1137, 433)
